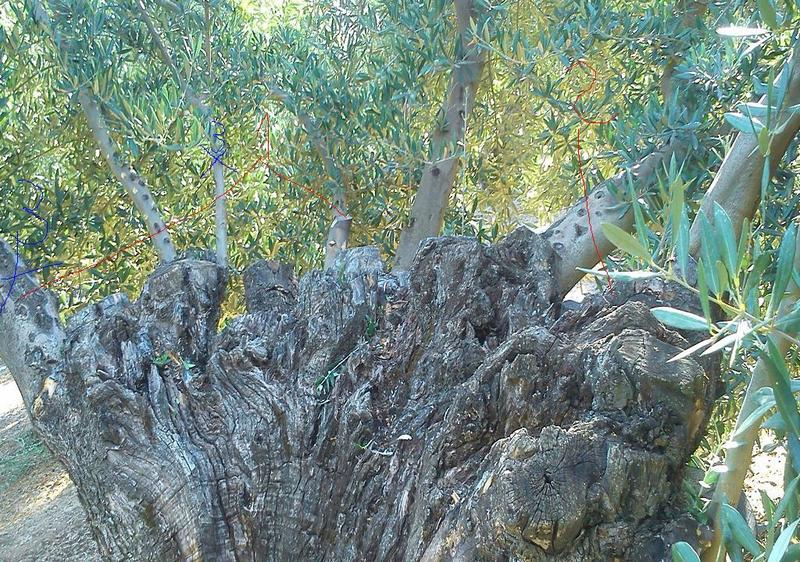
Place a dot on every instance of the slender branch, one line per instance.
(134, 185)
(430, 202)
(207, 16)
(220, 203)
(130, 180)
(220, 213)
(339, 232)
(166, 58)
(218, 168)
(739, 454)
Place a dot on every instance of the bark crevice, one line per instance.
(446, 414)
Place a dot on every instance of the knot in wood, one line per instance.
(541, 491)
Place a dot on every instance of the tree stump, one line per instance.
(453, 414)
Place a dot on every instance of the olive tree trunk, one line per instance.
(458, 412)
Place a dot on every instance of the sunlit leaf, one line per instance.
(726, 239)
(702, 288)
(754, 109)
(765, 399)
(625, 241)
(741, 532)
(622, 275)
(679, 319)
(781, 386)
(676, 206)
(723, 277)
(747, 125)
(739, 31)
(710, 254)
(784, 268)
(744, 243)
(693, 349)
(721, 343)
(782, 544)
(683, 552)
(788, 496)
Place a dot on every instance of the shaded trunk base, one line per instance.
(453, 415)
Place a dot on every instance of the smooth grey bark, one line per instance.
(474, 422)
(737, 185)
(338, 234)
(433, 194)
(571, 234)
(131, 181)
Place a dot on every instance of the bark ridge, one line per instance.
(451, 413)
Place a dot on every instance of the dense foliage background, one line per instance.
(371, 76)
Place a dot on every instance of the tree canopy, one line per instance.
(352, 89)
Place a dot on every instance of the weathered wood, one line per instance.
(473, 422)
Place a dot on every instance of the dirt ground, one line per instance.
(41, 519)
(766, 475)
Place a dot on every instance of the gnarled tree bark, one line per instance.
(475, 422)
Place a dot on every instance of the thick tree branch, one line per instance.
(430, 203)
(570, 235)
(737, 185)
(133, 184)
(218, 168)
(338, 235)
(31, 337)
